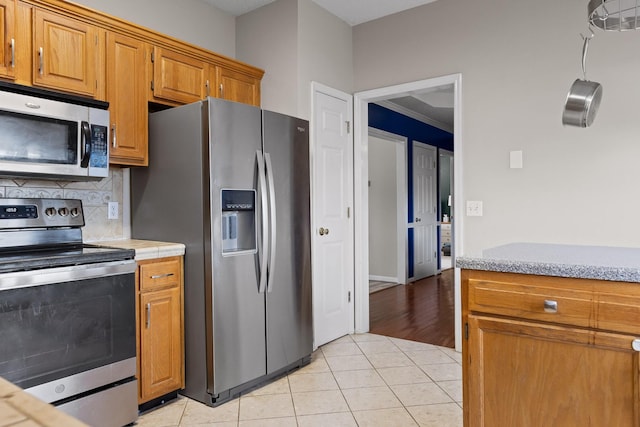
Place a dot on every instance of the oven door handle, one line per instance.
(47, 276)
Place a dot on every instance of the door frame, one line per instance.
(402, 207)
(361, 200)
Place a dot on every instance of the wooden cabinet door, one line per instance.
(526, 374)
(66, 53)
(160, 343)
(7, 38)
(177, 77)
(237, 87)
(127, 96)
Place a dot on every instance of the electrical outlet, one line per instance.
(474, 208)
(112, 212)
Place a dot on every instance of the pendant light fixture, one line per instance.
(614, 15)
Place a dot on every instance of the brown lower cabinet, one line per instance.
(160, 327)
(547, 351)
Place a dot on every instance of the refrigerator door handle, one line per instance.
(263, 254)
(272, 211)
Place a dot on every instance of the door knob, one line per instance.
(323, 231)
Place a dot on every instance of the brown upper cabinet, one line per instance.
(238, 87)
(177, 77)
(66, 53)
(7, 38)
(127, 96)
(181, 79)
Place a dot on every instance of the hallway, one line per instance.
(421, 311)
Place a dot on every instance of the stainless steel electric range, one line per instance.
(67, 313)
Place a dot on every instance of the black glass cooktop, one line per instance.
(60, 256)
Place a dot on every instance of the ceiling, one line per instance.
(433, 106)
(353, 12)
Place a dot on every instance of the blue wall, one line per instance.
(414, 130)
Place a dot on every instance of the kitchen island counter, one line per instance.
(19, 408)
(574, 261)
(551, 336)
(147, 249)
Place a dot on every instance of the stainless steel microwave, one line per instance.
(60, 137)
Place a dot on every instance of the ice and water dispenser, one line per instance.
(238, 221)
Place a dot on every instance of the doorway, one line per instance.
(387, 209)
(361, 178)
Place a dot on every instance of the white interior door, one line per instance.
(332, 223)
(425, 253)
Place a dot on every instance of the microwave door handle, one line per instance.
(86, 144)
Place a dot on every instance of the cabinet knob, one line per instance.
(550, 306)
(636, 344)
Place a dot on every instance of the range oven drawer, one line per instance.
(96, 409)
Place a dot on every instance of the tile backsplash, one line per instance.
(95, 196)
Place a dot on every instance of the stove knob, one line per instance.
(63, 211)
(75, 212)
(50, 212)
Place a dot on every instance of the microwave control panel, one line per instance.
(99, 147)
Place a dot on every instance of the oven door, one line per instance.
(67, 330)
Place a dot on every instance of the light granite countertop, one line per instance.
(583, 262)
(147, 249)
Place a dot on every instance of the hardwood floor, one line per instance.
(420, 311)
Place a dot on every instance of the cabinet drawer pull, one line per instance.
(636, 344)
(160, 276)
(148, 316)
(113, 136)
(550, 306)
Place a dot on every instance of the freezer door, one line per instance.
(238, 315)
(289, 315)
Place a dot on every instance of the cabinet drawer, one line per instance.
(527, 301)
(160, 274)
(618, 308)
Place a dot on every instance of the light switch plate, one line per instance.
(515, 159)
(474, 208)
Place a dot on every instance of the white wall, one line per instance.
(517, 62)
(325, 53)
(268, 38)
(192, 21)
(383, 238)
(295, 42)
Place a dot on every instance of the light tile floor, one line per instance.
(357, 380)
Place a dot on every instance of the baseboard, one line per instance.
(383, 279)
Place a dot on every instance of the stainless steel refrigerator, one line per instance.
(231, 182)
